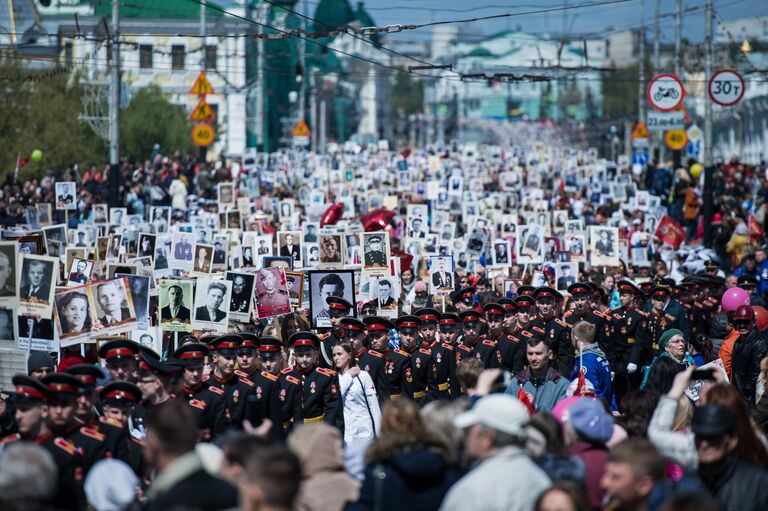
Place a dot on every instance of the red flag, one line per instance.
(755, 229)
(523, 397)
(22, 160)
(670, 232)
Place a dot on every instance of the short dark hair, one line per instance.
(277, 473)
(468, 371)
(332, 280)
(535, 341)
(642, 455)
(175, 426)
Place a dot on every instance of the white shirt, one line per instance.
(357, 419)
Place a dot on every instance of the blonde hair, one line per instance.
(684, 414)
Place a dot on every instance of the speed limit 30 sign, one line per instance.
(726, 87)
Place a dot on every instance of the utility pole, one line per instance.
(203, 151)
(678, 34)
(261, 133)
(114, 108)
(656, 69)
(313, 108)
(641, 77)
(709, 168)
(303, 63)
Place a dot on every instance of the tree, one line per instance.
(40, 110)
(151, 119)
(407, 94)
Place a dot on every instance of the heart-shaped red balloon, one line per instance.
(332, 214)
(377, 219)
(405, 259)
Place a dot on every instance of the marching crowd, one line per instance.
(635, 387)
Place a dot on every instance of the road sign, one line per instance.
(693, 149)
(202, 86)
(675, 139)
(203, 134)
(694, 133)
(726, 87)
(640, 157)
(662, 121)
(203, 112)
(640, 131)
(665, 92)
(300, 129)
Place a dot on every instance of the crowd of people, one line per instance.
(525, 328)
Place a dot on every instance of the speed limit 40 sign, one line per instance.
(726, 87)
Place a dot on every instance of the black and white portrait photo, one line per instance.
(79, 271)
(226, 194)
(113, 305)
(66, 195)
(441, 277)
(604, 246)
(118, 216)
(242, 296)
(289, 245)
(175, 304)
(376, 252)
(565, 275)
(212, 304)
(36, 282)
(330, 249)
(100, 213)
(9, 252)
(74, 316)
(203, 258)
(502, 254)
(147, 243)
(323, 284)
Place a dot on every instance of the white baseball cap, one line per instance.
(501, 412)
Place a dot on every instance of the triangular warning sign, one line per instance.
(202, 85)
(301, 129)
(640, 131)
(203, 112)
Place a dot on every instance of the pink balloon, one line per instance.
(733, 298)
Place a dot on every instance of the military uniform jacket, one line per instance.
(372, 362)
(420, 376)
(626, 331)
(511, 350)
(235, 396)
(444, 358)
(90, 443)
(263, 402)
(208, 403)
(395, 362)
(69, 461)
(602, 333)
(557, 333)
(486, 352)
(654, 325)
(290, 406)
(116, 437)
(319, 398)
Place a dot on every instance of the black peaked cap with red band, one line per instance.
(449, 318)
(225, 344)
(427, 315)
(338, 303)
(469, 316)
(269, 344)
(525, 302)
(249, 340)
(508, 304)
(30, 390)
(526, 290)
(407, 321)
(117, 349)
(493, 309)
(117, 393)
(580, 288)
(63, 385)
(88, 374)
(352, 324)
(378, 324)
(304, 340)
(547, 292)
(190, 354)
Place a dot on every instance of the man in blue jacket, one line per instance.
(591, 361)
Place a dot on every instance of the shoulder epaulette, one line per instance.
(526, 333)
(598, 313)
(323, 336)
(206, 378)
(562, 323)
(269, 376)
(617, 315)
(326, 372)
(489, 343)
(669, 316)
(465, 348)
(403, 353)
(111, 422)
(65, 445)
(292, 379)
(197, 403)
(642, 313)
(447, 346)
(10, 438)
(539, 330)
(137, 441)
(247, 382)
(425, 351)
(241, 374)
(216, 390)
(376, 353)
(92, 433)
(567, 313)
(286, 370)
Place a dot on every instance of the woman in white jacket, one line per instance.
(362, 415)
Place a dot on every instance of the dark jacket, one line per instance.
(745, 364)
(736, 485)
(199, 491)
(406, 471)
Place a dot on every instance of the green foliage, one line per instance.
(151, 119)
(40, 111)
(620, 92)
(407, 95)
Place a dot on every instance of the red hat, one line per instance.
(377, 324)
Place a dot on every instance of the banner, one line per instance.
(670, 232)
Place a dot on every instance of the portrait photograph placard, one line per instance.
(289, 245)
(9, 259)
(36, 283)
(604, 246)
(241, 300)
(66, 195)
(212, 297)
(36, 334)
(325, 283)
(175, 300)
(441, 276)
(376, 253)
(270, 295)
(74, 315)
(79, 272)
(113, 310)
(294, 284)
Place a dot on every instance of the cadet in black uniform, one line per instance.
(319, 396)
(207, 401)
(428, 328)
(64, 389)
(338, 309)
(664, 315)
(583, 296)
(420, 370)
(624, 323)
(264, 399)
(118, 399)
(555, 331)
(368, 360)
(116, 436)
(510, 351)
(120, 356)
(475, 345)
(395, 361)
(463, 299)
(510, 314)
(444, 356)
(223, 377)
(32, 398)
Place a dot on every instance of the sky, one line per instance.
(588, 20)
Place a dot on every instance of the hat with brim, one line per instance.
(712, 420)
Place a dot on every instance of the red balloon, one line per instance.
(377, 219)
(332, 214)
(761, 317)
